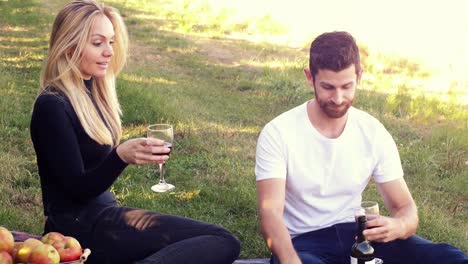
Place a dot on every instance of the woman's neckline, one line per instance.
(88, 83)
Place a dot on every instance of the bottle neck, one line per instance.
(361, 225)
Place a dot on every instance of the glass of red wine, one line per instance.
(368, 208)
(166, 133)
(371, 210)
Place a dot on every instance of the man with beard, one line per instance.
(314, 161)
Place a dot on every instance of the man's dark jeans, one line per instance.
(332, 245)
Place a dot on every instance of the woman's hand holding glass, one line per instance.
(143, 151)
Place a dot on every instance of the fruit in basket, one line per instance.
(70, 251)
(6, 240)
(25, 249)
(68, 247)
(55, 239)
(13, 254)
(44, 254)
(5, 258)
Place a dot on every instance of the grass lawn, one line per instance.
(219, 91)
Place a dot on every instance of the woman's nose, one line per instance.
(108, 51)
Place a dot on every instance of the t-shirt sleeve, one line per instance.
(388, 167)
(270, 159)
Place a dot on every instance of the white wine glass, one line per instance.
(166, 133)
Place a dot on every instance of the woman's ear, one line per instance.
(71, 52)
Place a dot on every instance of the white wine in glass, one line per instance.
(166, 133)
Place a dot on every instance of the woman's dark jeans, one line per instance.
(127, 235)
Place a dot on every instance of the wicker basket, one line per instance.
(81, 260)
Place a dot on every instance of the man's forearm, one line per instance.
(277, 238)
(408, 215)
(402, 208)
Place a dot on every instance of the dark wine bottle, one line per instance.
(362, 252)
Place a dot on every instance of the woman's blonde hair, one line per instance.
(61, 73)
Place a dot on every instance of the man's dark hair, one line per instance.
(334, 51)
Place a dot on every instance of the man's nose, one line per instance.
(337, 97)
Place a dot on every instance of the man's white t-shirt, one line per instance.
(324, 177)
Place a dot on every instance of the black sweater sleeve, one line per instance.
(62, 148)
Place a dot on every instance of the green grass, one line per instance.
(219, 92)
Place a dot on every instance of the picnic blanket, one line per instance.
(252, 261)
(22, 236)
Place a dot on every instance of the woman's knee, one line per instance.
(227, 236)
(231, 244)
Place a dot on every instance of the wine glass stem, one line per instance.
(161, 174)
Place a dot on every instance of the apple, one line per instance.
(13, 253)
(5, 258)
(56, 239)
(7, 242)
(25, 249)
(71, 251)
(44, 254)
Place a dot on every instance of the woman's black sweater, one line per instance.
(75, 171)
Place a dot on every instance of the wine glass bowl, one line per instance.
(370, 209)
(163, 132)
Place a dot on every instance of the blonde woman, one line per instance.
(76, 132)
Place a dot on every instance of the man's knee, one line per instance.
(309, 258)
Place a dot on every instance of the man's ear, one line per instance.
(309, 77)
(359, 75)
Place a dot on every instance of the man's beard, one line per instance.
(331, 109)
